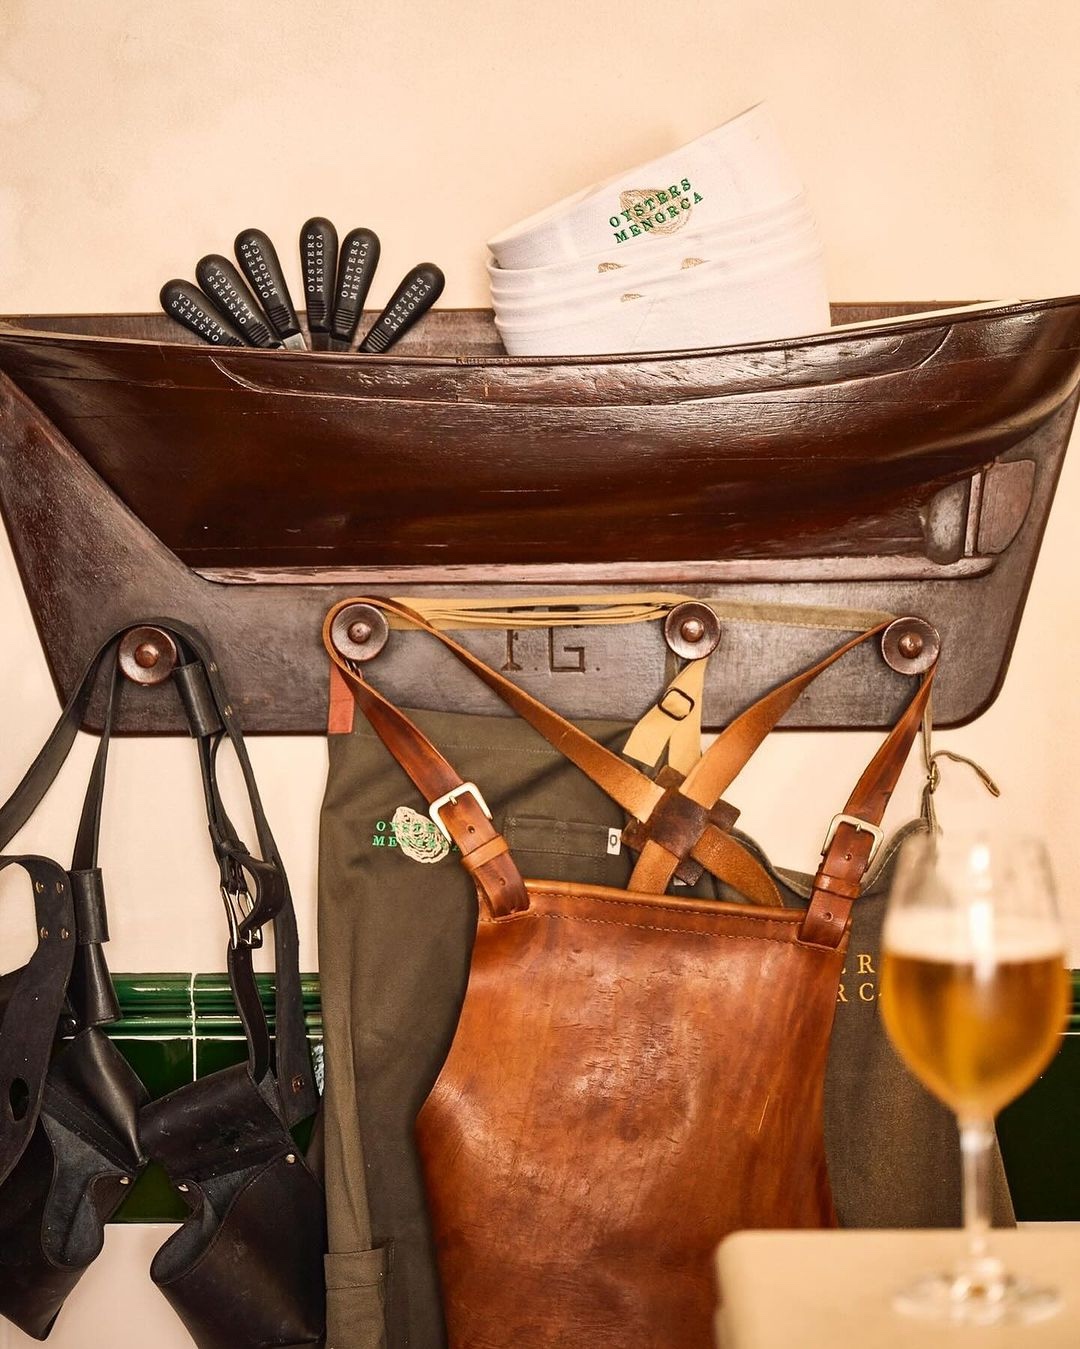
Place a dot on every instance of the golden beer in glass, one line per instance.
(974, 995)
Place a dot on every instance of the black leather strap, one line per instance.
(92, 995)
(258, 884)
(41, 774)
(265, 883)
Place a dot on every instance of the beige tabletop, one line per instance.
(828, 1290)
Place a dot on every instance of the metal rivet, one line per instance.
(43, 933)
(290, 1157)
(64, 934)
(298, 1083)
(692, 630)
(183, 1189)
(125, 1180)
(910, 645)
(148, 655)
(827, 917)
(359, 632)
(228, 709)
(39, 886)
(59, 887)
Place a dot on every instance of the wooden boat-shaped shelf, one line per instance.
(903, 463)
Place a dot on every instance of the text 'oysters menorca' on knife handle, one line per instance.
(224, 287)
(356, 270)
(411, 301)
(318, 261)
(259, 262)
(187, 305)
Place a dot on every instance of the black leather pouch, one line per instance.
(83, 1154)
(245, 1269)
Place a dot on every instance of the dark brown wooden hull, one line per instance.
(827, 445)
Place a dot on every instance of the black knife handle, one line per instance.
(188, 305)
(259, 262)
(412, 299)
(356, 271)
(318, 258)
(225, 289)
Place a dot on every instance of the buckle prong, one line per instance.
(863, 826)
(448, 799)
(238, 905)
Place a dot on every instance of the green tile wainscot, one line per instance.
(176, 1026)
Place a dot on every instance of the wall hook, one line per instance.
(692, 630)
(147, 655)
(910, 645)
(359, 632)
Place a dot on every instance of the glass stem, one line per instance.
(976, 1137)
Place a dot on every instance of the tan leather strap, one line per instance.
(845, 859)
(680, 822)
(629, 788)
(725, 759)
(673, 723)
(839, 876)
(483, 849)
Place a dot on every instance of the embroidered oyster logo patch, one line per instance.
(417, 836)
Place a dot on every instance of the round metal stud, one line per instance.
(359, 632)
(148, 655)
(692, 630)
(910, 645)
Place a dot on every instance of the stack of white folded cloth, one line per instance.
(709, 245)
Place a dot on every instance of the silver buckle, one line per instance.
(864, 826)
(238, 905)
(466, 789)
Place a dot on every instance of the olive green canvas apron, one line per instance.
(396, 924)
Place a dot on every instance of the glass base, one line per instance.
(980, 1294)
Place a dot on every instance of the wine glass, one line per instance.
(974, 995)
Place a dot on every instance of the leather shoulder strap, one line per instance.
(737, 742)
(626, 785)
(255, 887)
(681, 825)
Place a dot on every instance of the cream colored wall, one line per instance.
(939, 142)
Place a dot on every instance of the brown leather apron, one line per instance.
(618, 1095)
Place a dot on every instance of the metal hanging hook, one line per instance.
(147, 655)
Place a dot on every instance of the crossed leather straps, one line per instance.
(677, 824)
